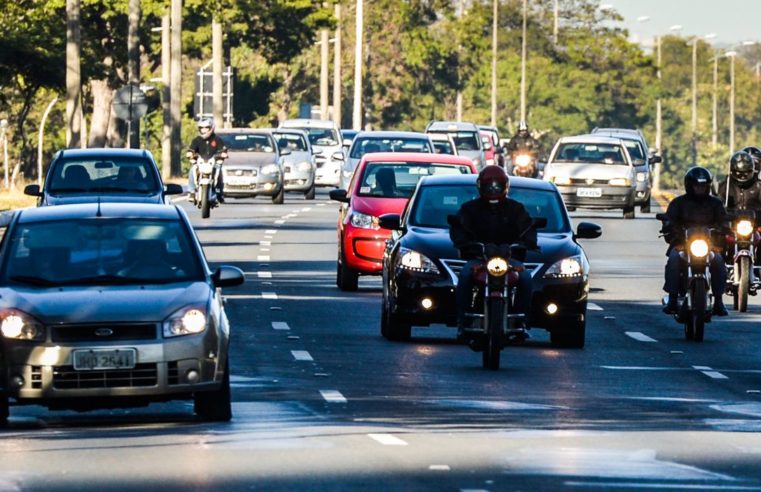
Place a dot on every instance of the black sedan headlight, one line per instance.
(409, 259)
(18, 325)
(573, 266)
(186, 321)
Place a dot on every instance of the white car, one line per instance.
(327, 147)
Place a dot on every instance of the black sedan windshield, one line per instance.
(101, 252)
(434, 203)
(104, 174)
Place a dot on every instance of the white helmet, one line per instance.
(523, 126)
(206, 122)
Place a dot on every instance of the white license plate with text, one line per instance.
(96, 360)
(589, 192)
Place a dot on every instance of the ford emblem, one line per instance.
(104, 332)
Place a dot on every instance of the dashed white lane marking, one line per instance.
(333, 396)
(710, 372)
(439, 468)
(640, 337)
(474, 490)
(263, 258)
(387, 439)
(279, 222)
(264, 250)
(658, 486)
(264, 274)
(265, 243)
(271, 231)
(591, 306)
(301, 355)
(306, 209)
(280, 325)
(269, 295)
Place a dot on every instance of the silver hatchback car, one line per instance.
(300, 163)
(111, 305)
(255, 166)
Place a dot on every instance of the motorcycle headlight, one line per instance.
(20, 326)
(522, 160)
(699, 248)
(497, 266)
(270, 169)
(573, 266)
(412, 260)
(364, 221)
(205, 167)
(186, 321)
(561, 180)
(619, 182)
(744, 228)
(304, 166)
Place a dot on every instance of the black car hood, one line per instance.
(435, 243)
(149, 303)
(70, 198)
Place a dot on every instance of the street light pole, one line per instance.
(523, 63)
(715, 112)
(337, 69)
(357, 114)
(658, 115)
(731, 56)
(494, 63)
(694, 145)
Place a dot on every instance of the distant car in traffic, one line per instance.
(382, 183)
(443, 143)
(255, 165)
(382, 141)
(466, 136)
(642, 158)
(327, 146)
(102, 174)
(347, 137)
(112, 305)
(593, 171)
(421, 266)
(299, 166)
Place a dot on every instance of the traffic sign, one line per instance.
(129, 103)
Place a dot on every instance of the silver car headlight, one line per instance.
(271, 169)
(20, 326)
(364, 221)
(186, 321)
(409, 259)
(641, 177)
(573, 266)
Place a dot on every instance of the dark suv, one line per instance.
(108, 175)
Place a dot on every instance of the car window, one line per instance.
(371, 145)
(321, 136)
(434, 203)
(399, 179)
(296, 143)
(636, 152)
(442, 147)
(590, 153)
(104, 174)
(97, 251)
(465, 140)
(248, 142)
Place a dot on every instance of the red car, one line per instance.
(382, 184)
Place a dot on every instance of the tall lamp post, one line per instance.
(732, 54)
(4, 138)
(523, 63)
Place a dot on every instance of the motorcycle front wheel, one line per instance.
(205, 203)
(495, 322)
(698, 313)
(744, 283)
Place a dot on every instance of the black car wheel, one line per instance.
(572, 335)
(346, 278)
(645, 207)
(279, 197)
(629, 212)
(215, 406)
(4, 409)
(309, 195)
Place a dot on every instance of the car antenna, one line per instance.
(98, 213)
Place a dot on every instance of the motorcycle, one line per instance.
(741, 247)
(207, 174)
(524, 164)
(695, 298)
(494, 289)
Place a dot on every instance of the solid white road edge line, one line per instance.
(264, 274)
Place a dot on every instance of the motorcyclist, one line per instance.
(523, 142)
(755, 153)
(492, 219)
(206, 145)
(741, 190)
(696, 208)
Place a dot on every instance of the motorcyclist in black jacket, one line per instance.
(491, 219)
(206, 145)
(522, 142)
(696, 208)
(741, 190)
(755, 153)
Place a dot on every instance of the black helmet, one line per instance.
(493, 183)
(697, 176)
(742, 167)
(755, 153)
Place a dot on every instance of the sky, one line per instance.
(733, 21)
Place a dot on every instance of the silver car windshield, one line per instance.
(101, 252)
(292, 141)
(372, 145)
(590, 153)
(434, 203)
(322, 136)
(253, 142)
(108, 174)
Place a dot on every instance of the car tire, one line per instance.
(4, 409)
(629, 212)
(279, 197)
(572, 335)
(391, 328)
(645, 207)
(215, 406)
(310, 193)
(346, 278)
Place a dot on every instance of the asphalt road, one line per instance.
(322, 402)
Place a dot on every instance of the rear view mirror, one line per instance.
(32, 190)
(390, 221)
(173, 189)
(285, 151)
(338, 195)
(228, 276)
(655, 159)
(338, 156)
(588, 230)
(540, 222)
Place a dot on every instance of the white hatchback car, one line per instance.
(327, 147)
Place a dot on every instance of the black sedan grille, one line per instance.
(103, 332)
(65, 377)
(454, 267)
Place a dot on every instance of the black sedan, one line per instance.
(106, 175)
(111, 305)
(421, 265)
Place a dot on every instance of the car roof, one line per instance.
(103, 151)
(627, 131)
(298, 131)
(94, 209)
(391, 134)
(440, 136)
(622, 134)
(451, 126)
(591, 139)
(233, 131)
(416, 157)
(470, 179)
(307, 123)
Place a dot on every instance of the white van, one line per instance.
(326, 145)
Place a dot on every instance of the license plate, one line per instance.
(95, 360)
(237, 180)
(589, 192)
